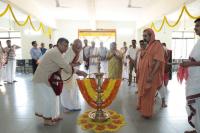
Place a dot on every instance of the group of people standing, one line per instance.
(37, 53)
(149, 62)
(68, 60)
(111, 60)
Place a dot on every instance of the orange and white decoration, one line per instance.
(88, 88)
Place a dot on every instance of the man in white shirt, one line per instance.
(131, 55)
(46, 98)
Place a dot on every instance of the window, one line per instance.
(15, 37)
(182, 44)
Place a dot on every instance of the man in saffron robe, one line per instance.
(150, 73)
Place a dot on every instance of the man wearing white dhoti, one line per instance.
(46, 101)
(11, 62)
(70, 94)
(123, 50)
(2, 61)
(102, 53)
(193, 84)
(86, 54)
(93, 58)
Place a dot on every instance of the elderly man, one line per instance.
(70, 95)
(150, 73)
(193, 84)
(46, 98)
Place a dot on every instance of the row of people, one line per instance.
(92, 53)
(37, 52)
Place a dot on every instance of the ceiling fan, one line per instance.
(131, 6)
(60, 6)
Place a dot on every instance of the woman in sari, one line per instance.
(114, 58)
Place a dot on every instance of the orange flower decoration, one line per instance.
(115, 122)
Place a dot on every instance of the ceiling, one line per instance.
(94, 10)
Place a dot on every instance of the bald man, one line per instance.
(69, 96)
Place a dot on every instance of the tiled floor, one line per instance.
(17, 111)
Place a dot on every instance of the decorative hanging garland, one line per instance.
(165, 20)
(48, 32)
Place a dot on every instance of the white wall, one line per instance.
(125, 30)
(69, 29)
(4, 24)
